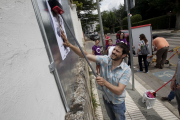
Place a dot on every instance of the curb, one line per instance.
(98, 110)
(175, 31)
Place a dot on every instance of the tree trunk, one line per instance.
(177, 21)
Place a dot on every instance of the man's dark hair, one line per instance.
(124, 47)
(120, 35)
(110, 39)
(155, 36)
(97, 39)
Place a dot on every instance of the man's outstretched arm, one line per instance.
(76, 49)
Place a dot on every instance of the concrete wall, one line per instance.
(77, 25)
(27, 89)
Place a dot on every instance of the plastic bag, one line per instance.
(149, 101)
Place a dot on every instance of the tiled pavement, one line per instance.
(136, 110)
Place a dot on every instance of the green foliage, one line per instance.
(161, 22)
(106, 30)
(94, 102)
(149, 9)
(117, 28)
(84, 10)
(125, 22)
(108, 20)
(98, 27)
(136, 18)
(78, 4)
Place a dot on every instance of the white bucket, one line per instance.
(149, 101)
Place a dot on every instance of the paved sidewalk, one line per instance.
(136, 110)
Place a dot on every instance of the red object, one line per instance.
(126, 33)
(140, 26)
(152, 95)
(107, 42)
(57, 9)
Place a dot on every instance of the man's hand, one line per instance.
(100, 80)
(66, 42)
(108, 48)
(178, 87)
(173, 85)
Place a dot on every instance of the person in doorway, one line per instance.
(161, 45)
(106, 38)
(114, 77)
(169, 97)
(175, 83)
(96, 50)
(143, 41)
(121, 39)
(110, 44)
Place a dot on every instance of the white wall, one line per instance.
(146, 30)
(27, 89)
(77, 25)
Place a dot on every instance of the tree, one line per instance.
(108, 20)
(120, 13)
(111, 19)
(84, 10)
(176, 9)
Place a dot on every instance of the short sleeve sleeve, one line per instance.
(93, 48)
(107, 47)
(125, 77)
(125, 41)
(139, 45)
(102, 59)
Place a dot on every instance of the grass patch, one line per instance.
(94, 102)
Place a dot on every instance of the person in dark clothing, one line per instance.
(143, 41)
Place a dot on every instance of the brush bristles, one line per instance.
(53, 3)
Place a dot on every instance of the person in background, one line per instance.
(143, 41)
(114, 77)
(96, 50)
(121, 39)
(129, 57)
(175, 83)
(161, 45)
(110, 43)
(118, 34)
(106, 38)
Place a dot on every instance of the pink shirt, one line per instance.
(106, 39)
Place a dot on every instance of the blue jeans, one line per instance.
(171, 95)
(144, 57)
(115, 111)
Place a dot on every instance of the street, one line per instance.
(155, 78)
